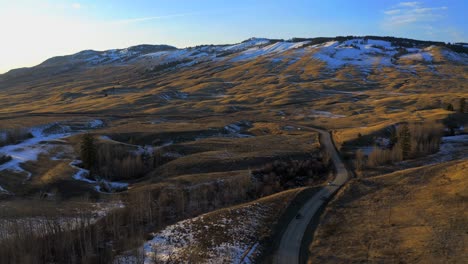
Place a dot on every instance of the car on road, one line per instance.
(298, 216)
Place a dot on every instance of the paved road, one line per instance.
(290, 245)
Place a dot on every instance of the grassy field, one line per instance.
(411, 216)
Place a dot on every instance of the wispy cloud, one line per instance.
(76, 5)
(143, 19)
(409, 4)
(392, 11)
(408, 13)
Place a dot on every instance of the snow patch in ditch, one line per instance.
(100, 185)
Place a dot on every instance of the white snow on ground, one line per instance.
(100, 185)
(454, 56)
(168, 96)
(236, 128)
(451, 148)
(106, 138)
(29, 149)
(247, 44)
(233, 128)
(42, 142)
(459, 138)
(357, 52)
(454, 147)
(81, 174)
(226, 238)
(316, 113)
(3, 190)
(276, 48)
(419, 56)
(96, 123)
(164, 57)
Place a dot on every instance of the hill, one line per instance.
(410, 216)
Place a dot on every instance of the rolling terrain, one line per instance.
(203, 137)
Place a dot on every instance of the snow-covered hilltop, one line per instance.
(334, 52)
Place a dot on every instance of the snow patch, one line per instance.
(356, 52)
(247, 44)
(29, 149)
(100, 185)
(276, 48)
(317, 113)
(239, 228)
(419, 56)
(96, 123)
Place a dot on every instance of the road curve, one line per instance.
(290, 245)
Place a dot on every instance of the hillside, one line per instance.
(145, 146)
(254, 74)
(411, 216)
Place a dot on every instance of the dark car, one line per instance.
(298, 216)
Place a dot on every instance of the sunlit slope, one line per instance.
(412, 216)
(353, 80)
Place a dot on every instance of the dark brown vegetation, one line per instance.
(285, 174)
(406, 142)
(81, 241)
(117, 162)
(4, 158)
(147, 209)
(13, 136)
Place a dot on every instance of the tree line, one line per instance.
(407, 141)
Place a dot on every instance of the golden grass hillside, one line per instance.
(412, 216)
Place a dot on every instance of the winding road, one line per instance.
(290, 245)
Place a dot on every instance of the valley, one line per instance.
(228, 153)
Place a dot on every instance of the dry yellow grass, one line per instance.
(413, 216)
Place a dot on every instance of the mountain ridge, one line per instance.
(129, 53)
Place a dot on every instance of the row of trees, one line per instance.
(116, 162)
(14, 136)
(406, 142)
(461, 106)
(85, 240)
(285, 174)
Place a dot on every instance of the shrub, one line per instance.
(4, 158)
(284, 174)
(14, 136)
(404, 139)
(88, 151)
(118, 162)
(449, 107)
(462, 105)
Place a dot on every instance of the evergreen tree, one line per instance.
(393, 138)
(88, 151)
(404, 138)
(450, 107)
(462, 105)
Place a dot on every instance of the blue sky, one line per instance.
(33, 31)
